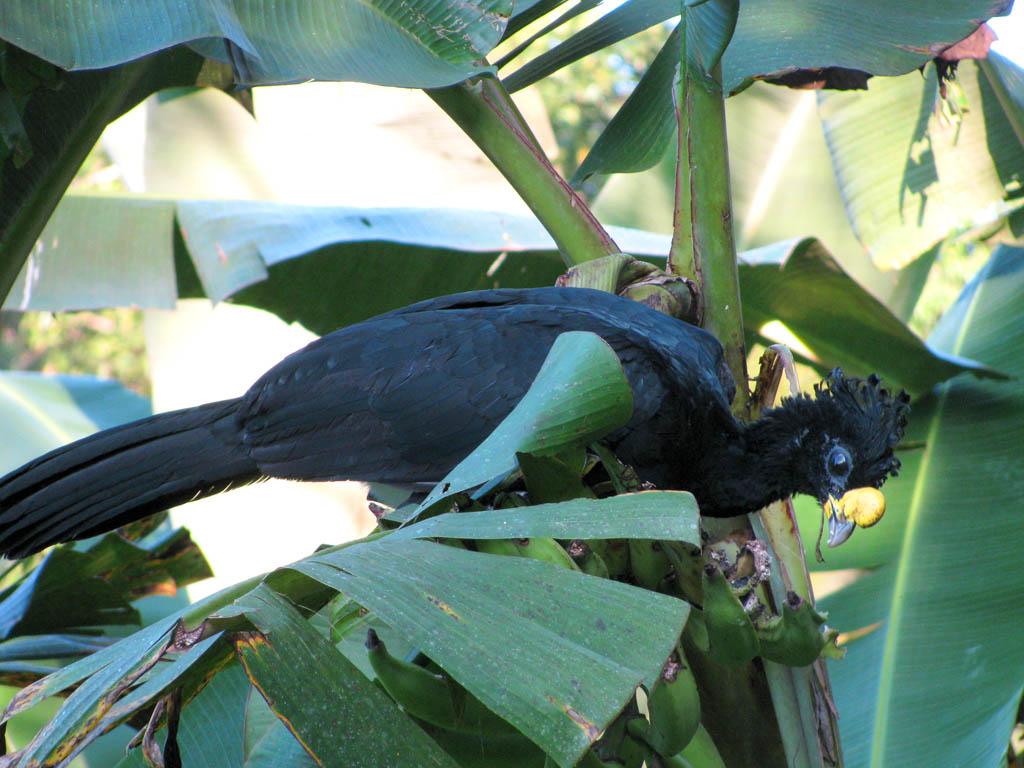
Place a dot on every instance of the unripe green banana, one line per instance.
(687, 566)
(795, 638)
(504, 547)
(674, 707)
(614, 553)
(633, 752)
(550, 479)
(696, 631)
(587, 559)
(617, 748)
(589, 760)
(420, 692)
(506, 500)
(433, 698)
(649, 563)
(700, 751)
(731, 633)
(537, 548)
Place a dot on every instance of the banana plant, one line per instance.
(259, 632)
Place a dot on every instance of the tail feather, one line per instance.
(121, 475)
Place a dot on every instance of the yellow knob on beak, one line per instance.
(861, 507)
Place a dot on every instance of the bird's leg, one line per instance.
(775, 361)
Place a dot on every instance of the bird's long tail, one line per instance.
(121, 475)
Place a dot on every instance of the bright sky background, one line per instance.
(1011, 34)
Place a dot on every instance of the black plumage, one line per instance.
(402, 397)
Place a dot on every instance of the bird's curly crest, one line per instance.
(882, 414)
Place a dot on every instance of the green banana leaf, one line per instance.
(547, 612)
(935, 677)
(913, 171)
(871, 38)
(332, 698)
(661, 515)
(637, 137)
(431, 594)
(60, 594)
(799, 283)
(424, 252)
(268, 742)
(47, 411)
(711, 22)
(874, 36)
(210, 733)
(60, 123)
(416, 45)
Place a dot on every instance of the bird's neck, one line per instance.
(751, 469)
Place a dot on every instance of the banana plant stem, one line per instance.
(702, 243)
(483, 109)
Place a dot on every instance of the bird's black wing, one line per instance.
(396, 399)
(403, 397)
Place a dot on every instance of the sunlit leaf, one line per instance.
(416, 44)
(944, 609)
(875, 36)
(911, 171)
(63, 124)
(801, 284)
(665, 515)
(582, 644)
(47, 411)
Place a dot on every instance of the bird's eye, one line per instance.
(839, 462)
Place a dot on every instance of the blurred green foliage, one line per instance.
(956, 264)
(584, 96)
(108, 343)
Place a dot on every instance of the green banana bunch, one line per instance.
(731, 633)
(794, 638)
(649, 563)
(674, 707)
(538, 548)
(432, 698)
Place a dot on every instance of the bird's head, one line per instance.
(847, 434)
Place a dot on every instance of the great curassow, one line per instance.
(403, 397)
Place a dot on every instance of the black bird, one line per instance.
(402, 397)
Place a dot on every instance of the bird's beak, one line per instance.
(861, 507)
